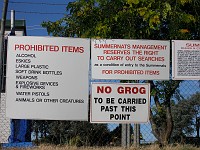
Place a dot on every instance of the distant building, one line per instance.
(20, 27)
(20, 30)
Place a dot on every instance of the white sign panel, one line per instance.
(130, 59)
(120, 103)
(186, 60)
(47, 78)
(4, 121)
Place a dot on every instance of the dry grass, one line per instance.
(152, 147)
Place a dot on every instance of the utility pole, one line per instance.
(3, 22)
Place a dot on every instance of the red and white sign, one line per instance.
(47, 78)
(130, 59)
(186, 60)
(120, 103)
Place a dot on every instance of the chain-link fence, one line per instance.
(185, 109)
(178, 115)
(35, 132)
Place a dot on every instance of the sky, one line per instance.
(35, 12)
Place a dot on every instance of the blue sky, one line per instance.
(35, 12)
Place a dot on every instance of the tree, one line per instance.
(186, 114)
(135, 19)
(71, 132)
(148, 19)
(195, 102)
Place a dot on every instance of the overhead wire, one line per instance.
(41, 13)
(37, 12)
(35, 27)
(37, 3)
(38, 27)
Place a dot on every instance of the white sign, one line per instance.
(4, 121)
(47, 78)
(130, 59)
(186, 60)
(120, 103)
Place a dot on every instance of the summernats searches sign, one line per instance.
(130, 59)
(47, 78)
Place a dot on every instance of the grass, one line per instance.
(151, 147)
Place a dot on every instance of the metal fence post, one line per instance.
(128, 139)
(124, 135)
(136, 135)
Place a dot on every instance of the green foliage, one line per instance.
(131, 2)
(185, 114)
(75, 141)
(147, 19)
(73, 133)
